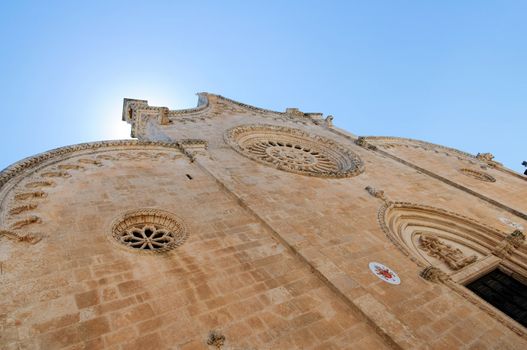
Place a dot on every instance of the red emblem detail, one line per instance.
(383, 272)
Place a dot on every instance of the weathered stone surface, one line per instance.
(276, 250)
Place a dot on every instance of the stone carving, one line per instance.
(393, 219)
(90, 161)
(329, 120)
(294, 150)
(486, 157)
(105, 157)
(19, 167)
(361, 141)
(216, 339)
(453, 257)
(294, 112)
(376, 193)
(27, 221)
(28, 237)
(56, 174)
(507, 246)
(59, 172)
(70, 167)
(434, 274)
(30, 195)
(22, 208)
(392, 227)
(37, 184)
(149, 230)
(163, 116)
(193, 147)
(478, 175)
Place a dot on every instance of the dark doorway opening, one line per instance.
(503, 292)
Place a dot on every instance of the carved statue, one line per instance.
(486, 157)
(329, 120)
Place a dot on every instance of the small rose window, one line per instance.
(149, 230)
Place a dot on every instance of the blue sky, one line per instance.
(448, 72)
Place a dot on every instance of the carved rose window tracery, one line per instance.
(294, 150)
(149, 230)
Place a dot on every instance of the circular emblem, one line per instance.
(294, 150)
(149, 230)
(384, 273)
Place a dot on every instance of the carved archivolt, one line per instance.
(478, 175)
(432, 236)
(149, 230)
(454, 249)
(294, 150)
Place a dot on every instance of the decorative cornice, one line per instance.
(138, 113)
(27, 163)
(361, 141)
(485, 159)
(193, 147)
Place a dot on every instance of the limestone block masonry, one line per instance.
(228, 226)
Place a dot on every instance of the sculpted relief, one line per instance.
(453, 257)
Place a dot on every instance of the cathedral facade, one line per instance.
(228, 226)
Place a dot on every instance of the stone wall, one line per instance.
(278, 215)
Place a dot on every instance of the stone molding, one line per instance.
(30, 162)
(294, 150)
(138, 113)
(498, 248)
(493, 236)
(362, 142)
(193, 147)
(443, 179)
(484, 159)
(507, 246)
